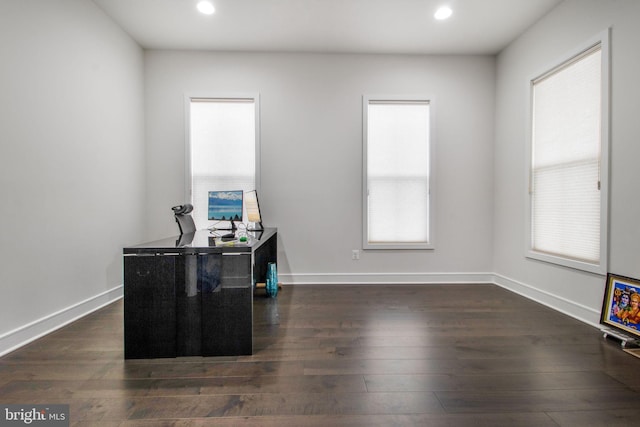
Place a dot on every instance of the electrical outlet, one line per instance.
(355, 254)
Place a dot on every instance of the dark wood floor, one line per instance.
(450, 355)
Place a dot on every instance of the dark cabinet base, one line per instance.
(149, 306)
(191, 303)
(228, 331)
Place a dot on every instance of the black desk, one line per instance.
(187, 296)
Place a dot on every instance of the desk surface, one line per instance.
(201, 241)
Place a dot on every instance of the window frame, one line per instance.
(188, 98)
(429, 245)
(603, 40)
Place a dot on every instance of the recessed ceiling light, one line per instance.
(206, 8)
(443, 13)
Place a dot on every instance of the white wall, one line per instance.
(311, 138)
(566, 27)
(71, 162)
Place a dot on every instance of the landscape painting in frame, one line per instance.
(621, 306)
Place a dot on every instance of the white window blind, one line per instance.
(223, 148)
(397, 152)
(566, 158)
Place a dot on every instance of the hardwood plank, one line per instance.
(203, 368)
(121, 388)
(454, 366)
(496, 382)
(538, 400)
(255, 405)
(431, 420)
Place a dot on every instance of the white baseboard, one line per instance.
(23, 335)
(570, 308)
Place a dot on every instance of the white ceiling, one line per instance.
(367, 26)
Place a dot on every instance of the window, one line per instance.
(568, 168)
(397, 157)
(223, 149)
